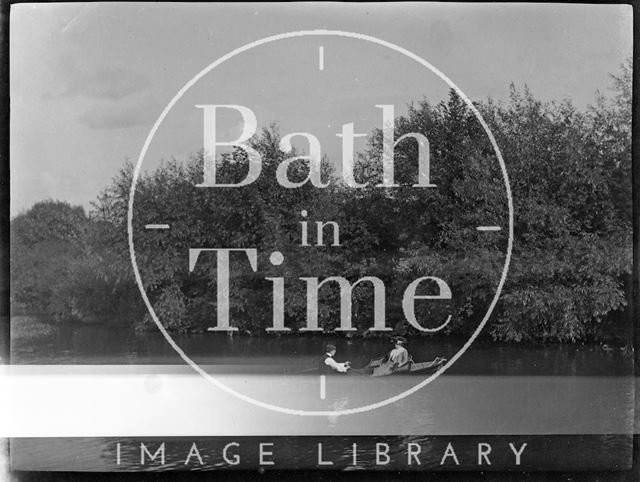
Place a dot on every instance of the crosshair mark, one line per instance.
(323, 387)
(488, 228)
(136, 174)
(156, 226)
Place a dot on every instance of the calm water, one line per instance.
(94, 344)
(560, 384)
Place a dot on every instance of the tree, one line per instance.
(44, 242)
(570, 181)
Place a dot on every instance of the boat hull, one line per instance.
(380, 368)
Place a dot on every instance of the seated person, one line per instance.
(328, 365)
(399, 356)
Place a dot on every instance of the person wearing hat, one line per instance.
(399, 356)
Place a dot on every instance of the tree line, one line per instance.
(570, 176)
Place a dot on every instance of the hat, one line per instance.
(399, 339)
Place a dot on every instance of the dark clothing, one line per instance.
(323, 368)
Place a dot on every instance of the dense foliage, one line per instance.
(61, 266)
(570, 176)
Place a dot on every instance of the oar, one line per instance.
(358, 371)
(308, 370)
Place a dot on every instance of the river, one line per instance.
(546, 395)
(117, 344)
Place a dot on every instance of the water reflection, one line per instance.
(337, 404)
(99, 344)
(428, 410)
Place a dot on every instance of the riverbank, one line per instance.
(25, 325)
(36, 342)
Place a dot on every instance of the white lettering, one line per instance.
(263, 454)
(193, 451)
(236, 458)
(484, 450)
(408, 301)
(517, 453)
(320, 461)
(211, 142)
(380, 454)
(144, 451)
(449, 452)
(222, 281)
(413, 449)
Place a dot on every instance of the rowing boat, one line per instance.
(380, 368)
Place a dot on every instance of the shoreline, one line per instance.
(364, 335)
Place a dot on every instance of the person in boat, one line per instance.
(328, 365)
(399, 356)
